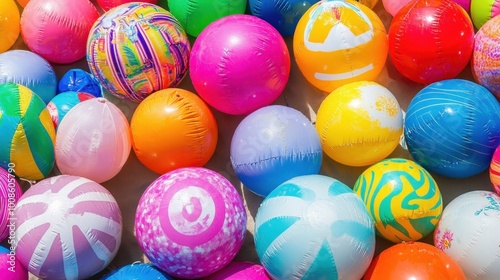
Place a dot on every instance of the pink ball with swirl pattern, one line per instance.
(190, 222)
(10, 192)
(67, 227)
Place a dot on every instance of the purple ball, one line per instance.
(239, 63)
(67, 227)
(272, 145)
(190, 222)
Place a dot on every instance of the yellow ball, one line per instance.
(337, 42)
(359, 124)
(402, 198)
(9, 24)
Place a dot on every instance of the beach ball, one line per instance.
(10, 192)
(109, 4)
(282, 15)
(485, 63)
(93, 141)
(337, 42)
(137, 271)
(196, 15)
(173, 128)
(272, 145)
(452, 127)
(431, 40)
(393, 6)
(68, 227)
(495, 170)
(239, 63)
(313, 227)
(57, 30)
(190, 222)
(359, 123)
(30, 70)
(60, 105)
(468, 233)
(28, 134)
(239, 270)
(9, 24)
(136, 49)
(481, 11)
(413, 261)
(79, 80)
(402, 198)
(10, 267)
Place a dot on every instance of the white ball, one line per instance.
(469, 233)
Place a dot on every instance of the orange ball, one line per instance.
(339, 42)
(413, 261)
(173, 128)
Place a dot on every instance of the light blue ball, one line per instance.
(272, 145)
(314, 227)
(281, 14)
(137, 271)
(30, 70)
(452, 128)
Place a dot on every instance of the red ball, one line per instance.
(431, 40)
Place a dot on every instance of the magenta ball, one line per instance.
(67, 227)
(190, 222)
(239, 64)
(10, 267)
(240, 270)
(10, 192)
(464, 3)
(57, 30)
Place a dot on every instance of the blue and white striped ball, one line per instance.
(314, 227)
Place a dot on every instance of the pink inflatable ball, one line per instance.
(485, 61)
(30, 70)
(10, 192)
(239, 64)
(58, 29)
(109, 4)
(93, 141)
(190, 222)
(10, 267)
(393, 6)
(240, 270)
(60, 105)
(495, 170)
(67, 227)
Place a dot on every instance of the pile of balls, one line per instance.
(65, 133)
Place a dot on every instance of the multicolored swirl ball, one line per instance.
(136, 49)
(495, 170)
(313, 227)
(27, 133)
(190, 222)
(485, 61)
(402, 198)
(68, 227)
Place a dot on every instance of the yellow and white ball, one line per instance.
(359, 123)
(337, 42)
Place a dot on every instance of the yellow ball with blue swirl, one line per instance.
(402, 198)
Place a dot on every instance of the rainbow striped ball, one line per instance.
(485, 60)
(27, 133)
(402, 198)
(190, 222)
(68, 227)
(314, 227)
(136, 49)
